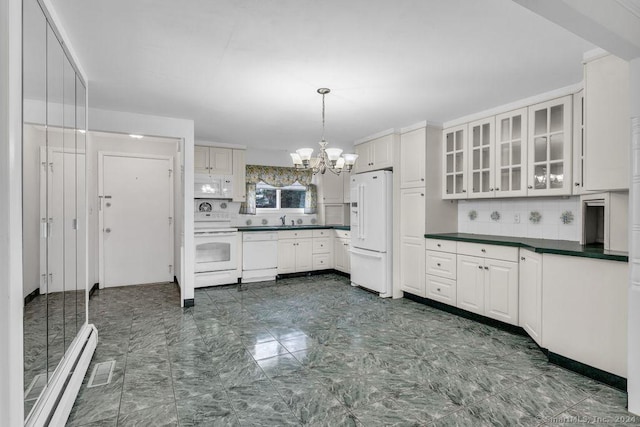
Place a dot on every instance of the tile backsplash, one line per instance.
(554, 218)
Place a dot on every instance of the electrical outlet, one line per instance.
(516, 219)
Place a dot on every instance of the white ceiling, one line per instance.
(247, 70)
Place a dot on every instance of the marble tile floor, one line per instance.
(316, 351)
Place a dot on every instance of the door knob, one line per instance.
(107, 230)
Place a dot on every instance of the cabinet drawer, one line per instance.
(441, 264)
(441, 245)
(322, 261)
(322, 233)
(343, 234)
(441, 289)
(506, 253)
(295, 234)
(321, 245)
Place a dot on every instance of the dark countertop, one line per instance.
(543, 246)
(294, 227)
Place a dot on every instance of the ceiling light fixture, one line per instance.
(328, 159)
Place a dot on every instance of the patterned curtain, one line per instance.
(278, 177)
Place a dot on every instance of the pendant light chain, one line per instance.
(323, 116)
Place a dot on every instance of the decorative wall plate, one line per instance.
(248, 222)
(473, 214)
(313, 221)
(299, 221)
(535, 217)
(495, 215)
(264, 221)
(566, 217)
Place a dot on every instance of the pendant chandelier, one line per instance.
(328, 159)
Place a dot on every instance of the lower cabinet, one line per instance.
(295, 251)
(412, 275)
(322, 249)
(488, 287)
(341, 255)
(441, 289)
(530, 293)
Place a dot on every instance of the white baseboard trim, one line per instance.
(55, 403)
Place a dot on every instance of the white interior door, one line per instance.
(136, 219)
(65, 228)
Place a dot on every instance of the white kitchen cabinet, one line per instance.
(511, 154)
(441, 289)
(213, 160)
(470, 284)
(239, 176)
(413, 147)
(585, 310)
(454, 184)
(488, 286)
(501, 290)
(549, 157)
(295, 251)
(331, 188)
(201, 159)
(341, 254)
(607, 122)
(412, 243)
(530, 294)
(322, 249)
(375, 154)
(346, 187)
(481, 158)
(441, 271)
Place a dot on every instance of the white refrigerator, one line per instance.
(371, 225)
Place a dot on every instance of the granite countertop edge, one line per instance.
(289, 227)
(543, 246)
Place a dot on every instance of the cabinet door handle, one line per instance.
(438, 264)
(530, 187)
(439, 245)
(577, 184)
(438, 289)
(483, 250)
(422, 194)
(464, 191)
(480, 267)
(422, 179)
(486, 268)
(491, 189)
(522, 258)
(497, 189)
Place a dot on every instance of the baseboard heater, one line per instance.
(57, 399)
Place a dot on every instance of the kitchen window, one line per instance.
(283, 199)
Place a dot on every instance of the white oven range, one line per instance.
(217, 244)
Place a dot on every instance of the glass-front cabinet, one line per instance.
(511, 154)
(455, 163)
(549, 153)
(481, 148)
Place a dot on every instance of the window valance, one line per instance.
(278, 176)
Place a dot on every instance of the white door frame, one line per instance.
(101, 156)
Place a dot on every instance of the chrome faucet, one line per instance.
(283, 218)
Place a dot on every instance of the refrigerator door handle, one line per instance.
(361, 211)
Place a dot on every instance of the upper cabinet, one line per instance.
(375, 154)
(413, 147)
(332, 188)
(239, 176)
(455, 163)
(524, 152)
(607, 123)
(223, 161)
(511, 154)
(213, 160)
(549, 151)
(481, 161)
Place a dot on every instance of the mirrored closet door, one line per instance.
(54, 206)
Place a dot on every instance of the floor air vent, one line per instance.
(101, 374)
(38, 384)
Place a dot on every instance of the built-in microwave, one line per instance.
(212, 186)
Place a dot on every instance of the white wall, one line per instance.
(633, 344)
(256, 156)
(132, 123)
(11, 301)
(119, 143)
(549, 227)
